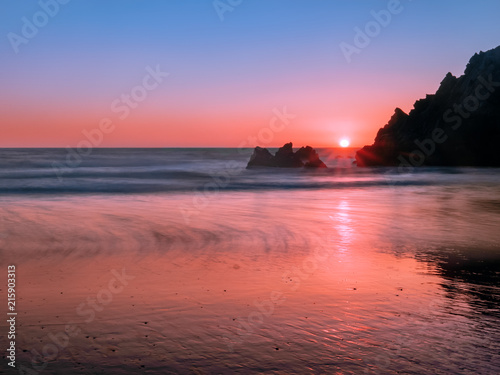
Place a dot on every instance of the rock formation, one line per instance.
(459, 125)
(261, 157)
(310, 157)
(286, 158)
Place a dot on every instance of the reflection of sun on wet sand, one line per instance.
(170, 313)
(248, 283)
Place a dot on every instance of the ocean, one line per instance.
(179, 261)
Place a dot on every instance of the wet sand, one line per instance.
(250, 285)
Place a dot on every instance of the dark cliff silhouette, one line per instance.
(459, 125)
(286, 158)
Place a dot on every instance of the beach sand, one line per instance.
(249, 285)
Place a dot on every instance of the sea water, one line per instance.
(223, 269)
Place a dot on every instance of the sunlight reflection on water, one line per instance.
(402, 283)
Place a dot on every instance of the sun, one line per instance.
(344, 142)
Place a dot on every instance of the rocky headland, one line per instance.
(459, 125)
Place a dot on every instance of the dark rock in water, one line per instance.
(457, 126)
(261, 157)
(310, 157)
(315, 164)
(286, 158)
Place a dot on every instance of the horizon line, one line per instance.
(168, 147)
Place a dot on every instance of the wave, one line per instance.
(131, 171)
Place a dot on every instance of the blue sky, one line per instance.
(265, 53)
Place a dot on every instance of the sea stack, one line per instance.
(286, 158)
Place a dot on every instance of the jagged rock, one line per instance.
(286, 158)
(458, 125)
(261, 157)
(384, 149)
(309, 157)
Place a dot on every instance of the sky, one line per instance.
(225, 73)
